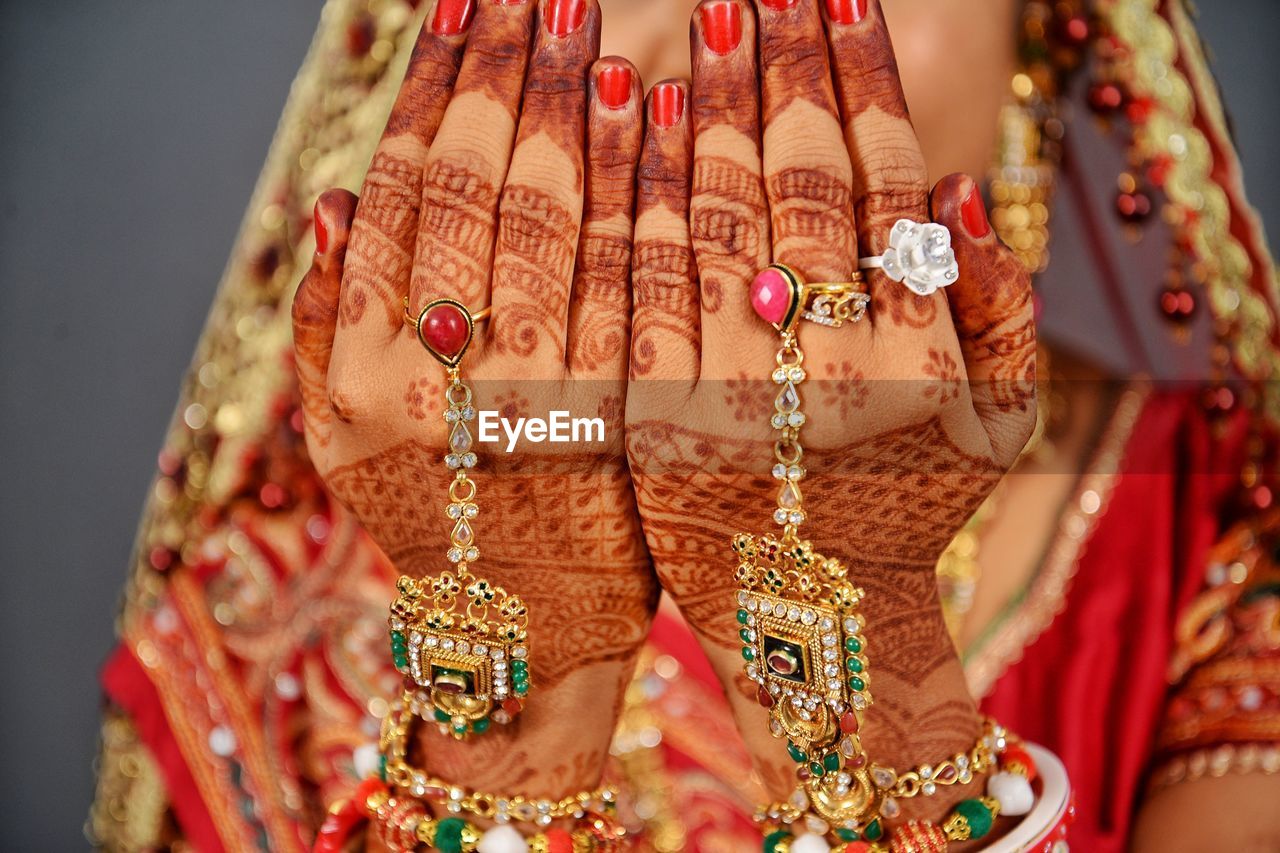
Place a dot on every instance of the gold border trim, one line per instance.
(1045, 595)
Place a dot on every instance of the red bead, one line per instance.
(1019, 756)
(855, 847)
(512, 706)
(1219, 400)
(763, 697)
(917, 836)
(1177, 304)
(1159, 168)
(849, 722)
(858, 761)
(1076, 29)
(558, 841)
(1134, 206)
(445, 330)
(1105, 97)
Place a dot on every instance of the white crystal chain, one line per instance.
(787, 421)
(460, 458)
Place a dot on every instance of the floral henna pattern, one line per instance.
(942, 367)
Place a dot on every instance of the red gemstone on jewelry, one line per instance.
(453, 688)
(946, 774)
(771, 296)
(849, 722)
(511, 706)
(445, 330)
(763, 697)
(858, 761)
(782, 663)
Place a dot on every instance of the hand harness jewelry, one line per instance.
(460, 641)
(804, 638)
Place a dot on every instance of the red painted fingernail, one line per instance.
(322, 230)
(722, 26)
(847, 11)
(614, 85)
(973, 210)
(565, 16)
(779, 5)
(452, 17)
(668, 104)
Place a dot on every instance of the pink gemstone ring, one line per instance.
(445, 328)
(782, 299)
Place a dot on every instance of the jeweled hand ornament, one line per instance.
(803, 640)
(460, 642)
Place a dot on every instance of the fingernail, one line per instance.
(847, 11)
(974, 213)
(322, 230)
(722, 26)
(779, 5)
(452, 17)
(613, 83)
(565, 16)
(668, 104)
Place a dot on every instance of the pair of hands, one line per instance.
(615, 239)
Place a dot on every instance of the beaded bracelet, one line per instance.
(1009, 792)
(404, 825)
(396, 770)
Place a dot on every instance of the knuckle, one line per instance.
(605, 257)
(453, 180)
(660, 268)
(721, 229)
(533, 222)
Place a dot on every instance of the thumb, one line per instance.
(315, 313)
(992, 308)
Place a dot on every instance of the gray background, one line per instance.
(132, 133)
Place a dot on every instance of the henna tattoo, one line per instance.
(727, 226)
(420, 398)
(536, 240)
(666, 302)
(455, 237)
(865, 69)
(942, 366)
(382, 237)
(794, 61)
(599, 328)
(846, 393)
(811, 211)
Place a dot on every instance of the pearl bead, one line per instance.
(503, 838)
(1013, 792)
(365, 758)
(810, 843)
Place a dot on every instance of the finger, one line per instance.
(728, 211)
(665, 327)
(600, 307)
(315, 315)
(468, 162)
(890, 181)
(992, 307)
(540, 213)
(808, 177)
(386, 227)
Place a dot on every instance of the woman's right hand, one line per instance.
(913, 414)
(493, 186)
